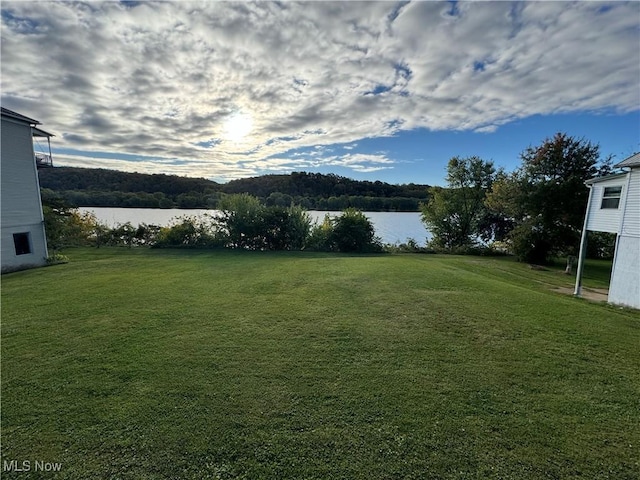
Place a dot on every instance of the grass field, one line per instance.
(158, 364)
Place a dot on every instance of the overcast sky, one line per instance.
(369, 90)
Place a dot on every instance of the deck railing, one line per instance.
(43, 160)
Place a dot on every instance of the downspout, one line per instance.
(583, 246)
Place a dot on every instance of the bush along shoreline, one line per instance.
(245, 223)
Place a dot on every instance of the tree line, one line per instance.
(535, 212)
(83, 187)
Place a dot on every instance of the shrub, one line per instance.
(241, 221)
(57, 258)
(320, 237)
(123, 235)
(285, 228)
(531, 244)
(353, 232)
(246, 223)
(601, 245)
(189, 232)
(410, 246)
(67, 227)
(349, 232)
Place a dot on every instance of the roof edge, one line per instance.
(38, 132)
(18, 116)
(591, 181)
(632, 161)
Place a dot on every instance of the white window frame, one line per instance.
(611, 196)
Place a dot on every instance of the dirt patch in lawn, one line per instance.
(593, 294)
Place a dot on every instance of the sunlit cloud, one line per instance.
(237, 127)
(226, 86)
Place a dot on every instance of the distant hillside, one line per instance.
(318, 185)
(101, 187)
(99, 179)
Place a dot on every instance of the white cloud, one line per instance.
(218, 171)
(486, 129)
(163, 79)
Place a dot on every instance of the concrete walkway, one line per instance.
(593, 294)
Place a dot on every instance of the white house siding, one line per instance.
(631, 223)
(624, 288)
(20, 197)
(605, 219)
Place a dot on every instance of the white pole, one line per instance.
(583, 246)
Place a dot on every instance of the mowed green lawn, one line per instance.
(154, 364)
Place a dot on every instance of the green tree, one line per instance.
(546, 198)
(278, 199)
(67, 227)
(456, 216)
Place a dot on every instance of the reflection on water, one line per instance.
(391, 227)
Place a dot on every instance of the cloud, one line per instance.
(217, 171)
(360, 159)
(161, 79)
(486, 129)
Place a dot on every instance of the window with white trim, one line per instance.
(611, 197)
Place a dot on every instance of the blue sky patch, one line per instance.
(209, 143)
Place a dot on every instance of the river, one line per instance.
(391, 227)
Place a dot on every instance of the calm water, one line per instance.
(391, 227)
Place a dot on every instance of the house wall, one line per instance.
(624, 288)
(631, 222)
(20, 197)
(605, 219)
